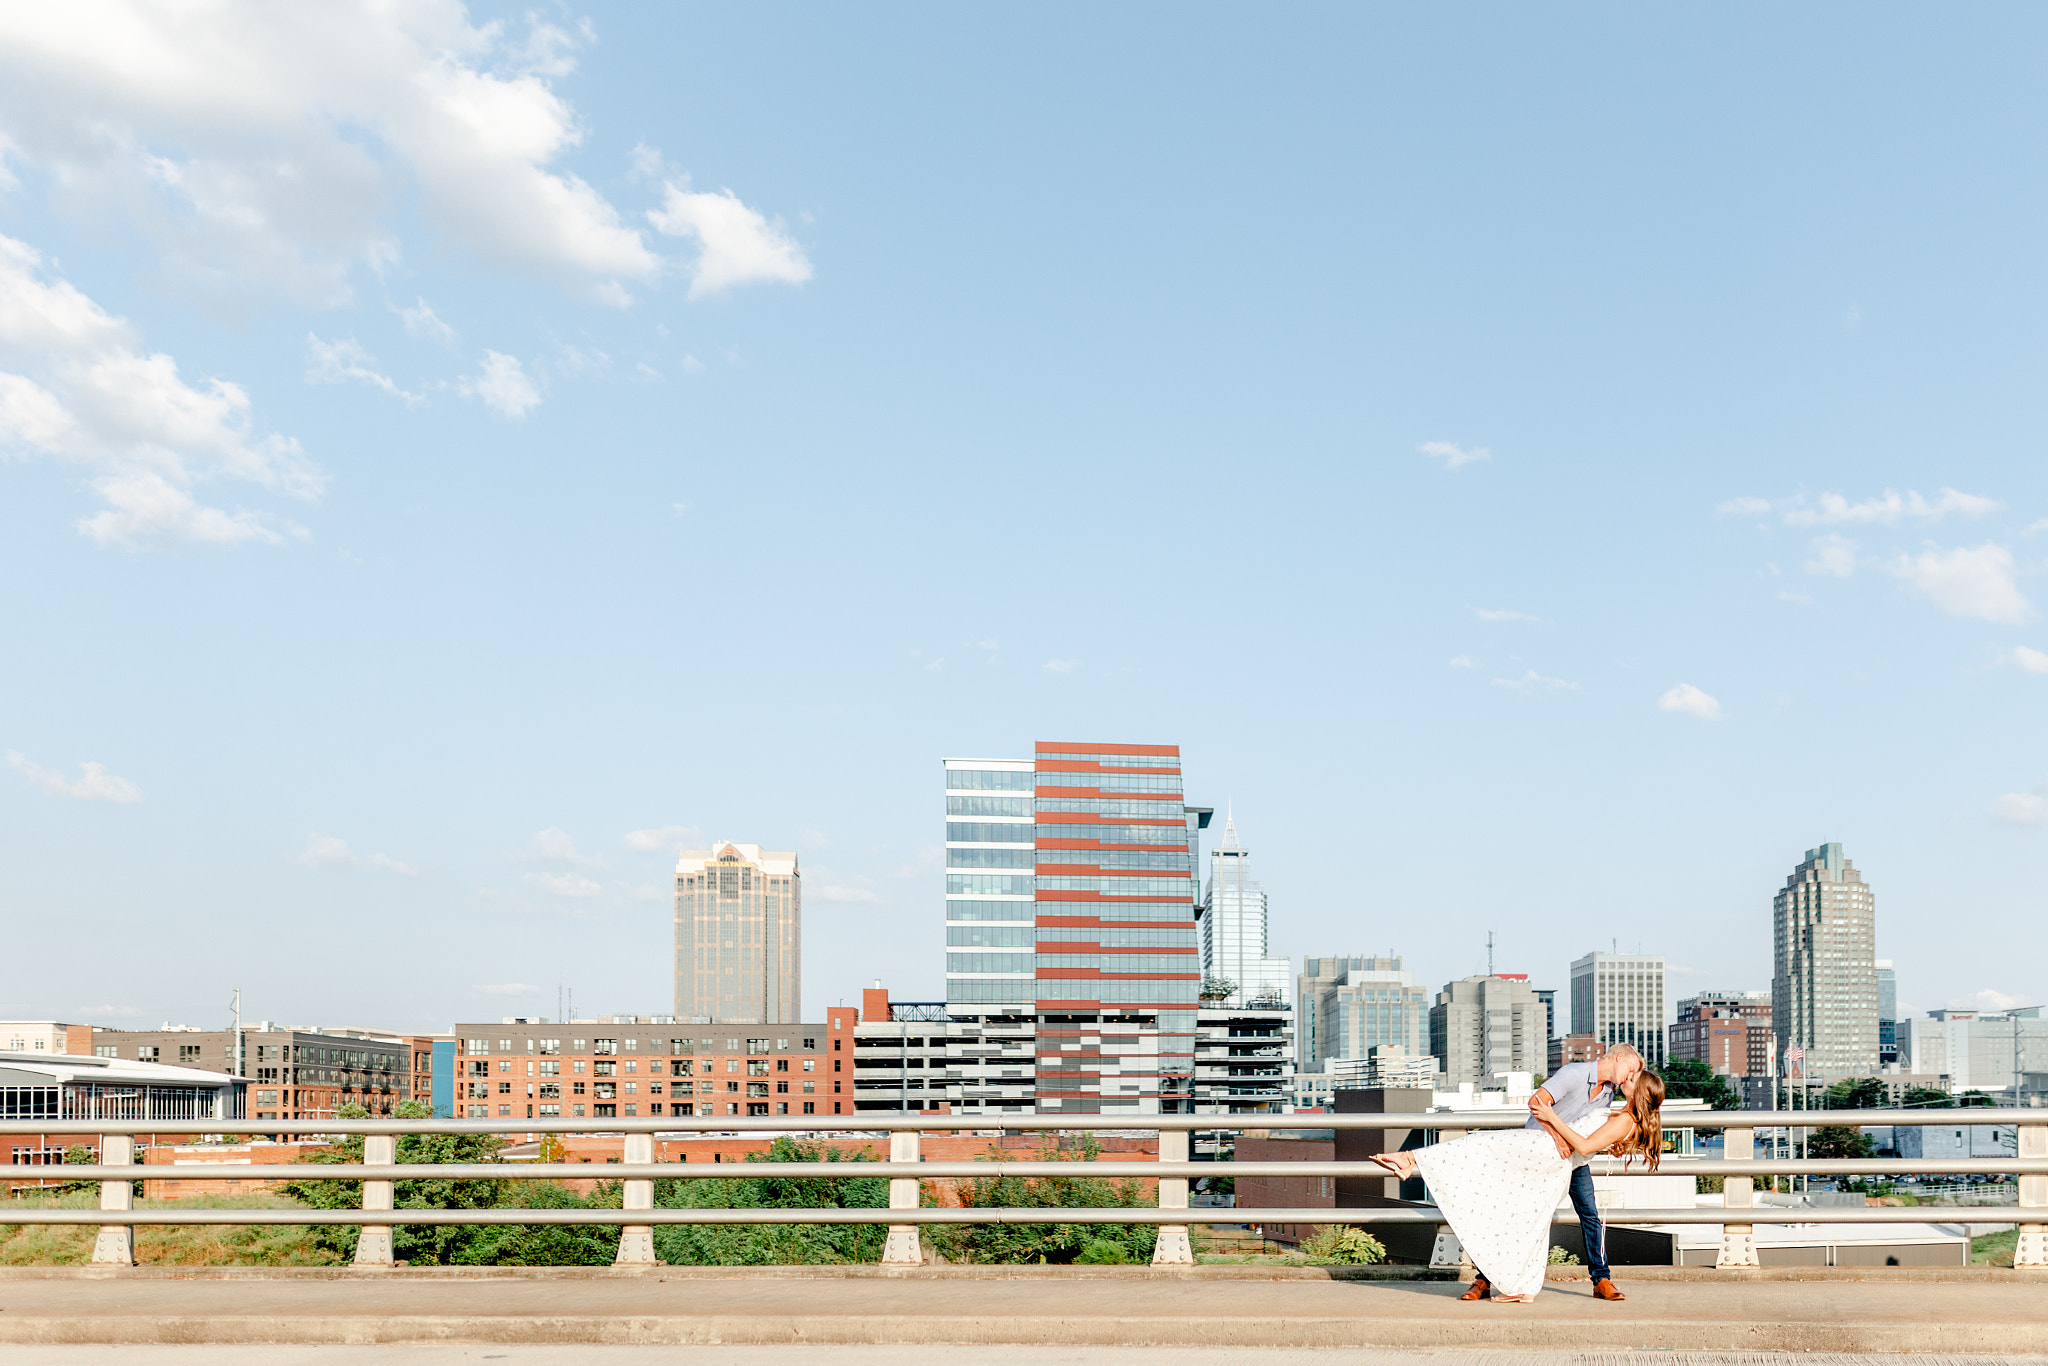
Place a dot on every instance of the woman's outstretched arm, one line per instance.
(1606, 1136)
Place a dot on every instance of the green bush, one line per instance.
(774, 1244)
(1563, 1257)
(1047, 1243)
(1102, 1252)
(1343, 1245)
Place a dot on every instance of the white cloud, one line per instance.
(94, 783)
(2023, 808)
(1453, 455)
(75, 386)
(836, 893)
(1463, 662)
(1992, 999)
(648, 893)
(1062, 666)
(1533, 682)
(1966, 582)
(329, 851)
(266, 149)
(1888, 509)
(338, 361)
(103, 1011)
(2031, 660)
(662, 839)
(679, 509)
(423, 322)
(736, 245)
(1502, 614)
(566, 884)
(556, 845)
(507, 988)
(503, 385)
(938, 663)
(1690, 701)
(691, 365)
(2034, 526)
(1743, 507)
(1832, 555)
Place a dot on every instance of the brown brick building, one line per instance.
(293, 1073)
(1728, 1031)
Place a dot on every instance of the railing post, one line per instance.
(1738, 1241)
(373, 1242)
(1449, 1254)
(902, 1248)
(115, 1245)
(636, 1241)
(1172, 1247)
(2031, 1248)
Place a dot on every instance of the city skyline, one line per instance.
(1574, 470)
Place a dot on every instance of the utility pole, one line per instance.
(1489, 953)
(241, 1058)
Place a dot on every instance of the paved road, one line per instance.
(934, 1356)
(2004, 1313)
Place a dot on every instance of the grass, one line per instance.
(1994, 1249)
(173, 1245)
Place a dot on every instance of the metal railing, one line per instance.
(1738, 1213)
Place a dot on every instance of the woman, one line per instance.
(1500, 1188)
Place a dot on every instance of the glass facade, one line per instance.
(739, 939)
(1824, 984)
(1233, 926)
(1887, 1013)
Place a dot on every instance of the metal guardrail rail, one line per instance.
(1737, 1215)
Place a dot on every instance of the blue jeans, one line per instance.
(1589, 1223)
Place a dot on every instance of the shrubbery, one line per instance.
(1343, 1245)
(1089, 1244)
(773, 1244)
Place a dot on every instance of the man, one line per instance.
(1578, 1089)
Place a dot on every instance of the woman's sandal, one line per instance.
(1513, 1299)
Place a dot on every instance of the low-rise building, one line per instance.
(45, 1036)
(293, 1073)
(1728, 1031)
(69, 1091)
(1575, 1048)
(1244, 1059)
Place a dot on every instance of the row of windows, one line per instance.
(612, 1111)
(990, 832)
(1176, 938)
(991, 858)
(1177, 861)
(989, 936)
(1181, 912)
(1167, 761)
(1120, 886)
(987, 884)
(1160, 808)
(988, 806)
(1118, 962)
(987, 780)
(1173, 833)
(1121, 990)
(475, 1047)
(990, 910)
(1114, 782)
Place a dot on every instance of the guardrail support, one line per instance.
(1172, 1247)
(1738, 1241)
(902, 1249)
(373, 1243)
(2031, 1248)
(636, 1241)
(115, 1245)
(1449, 1254)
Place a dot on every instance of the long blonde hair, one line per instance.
(1645, 1109)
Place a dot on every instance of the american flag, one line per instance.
(1795, 1054)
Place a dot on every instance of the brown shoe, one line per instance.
(1479, 1291)
(1604, 1290)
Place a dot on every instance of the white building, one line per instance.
(66, 1087)
(1975, 1050)
(1348, 1005)
(1824, 989)
(1482, 1027)
(1619, 998)
(1233, 925)
(739, 936)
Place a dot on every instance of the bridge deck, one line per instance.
(1986, 1311)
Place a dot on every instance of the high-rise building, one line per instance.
(1824, 980)
(1975, 1050)
(1887, 1013)
(1070, 908)
(1619, 998)
(1481, 1027)
(1346, 1006)
(1548, 995)
(1232, 919)
(739, 936)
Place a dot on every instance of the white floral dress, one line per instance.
(1499, 1191)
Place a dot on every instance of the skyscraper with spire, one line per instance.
(1233, 925)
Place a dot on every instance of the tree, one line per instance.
(1835, 1140)
(773, 1244)
(1858, 1093)
(1691, 1079)
(1925, 1098)
(1049, 1242)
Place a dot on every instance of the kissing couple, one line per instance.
(1500, 1188)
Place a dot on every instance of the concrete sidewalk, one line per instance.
(1871, 1312)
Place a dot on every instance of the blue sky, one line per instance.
(1546, 470)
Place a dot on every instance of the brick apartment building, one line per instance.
(639, 1066)
(1571, 1048)
(1729, 1031)
(293, 1073)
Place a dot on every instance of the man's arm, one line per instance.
(1543, 1100)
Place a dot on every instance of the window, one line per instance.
(632, 1045)
(757, 1046)
(505, 1110)
(757, 1108)
(504, 1064)
(605, 1090)
(757, 1067)
(145, 1052)
(732, 1087)
(551, 1091)
(105, 1050)
(631, 1088)
(809, 1087)
(679, 1045)
(810, 1064)
(811, 1044)
(632, 1066)
(810, 1107)
(577, 1065)
(654, 1109)
(605, 1069)
(576, 1110)
(732, 1064)
(504, 1046)
(504, 1088)
(476, 1045)
(550, 1067)
(604, 1045)
(782, 1064)
(757, 1088)
(835, 1042)
(782, 1107)
(551, 1111)
(550, 1045)
(604, 1111)
(781, 1088)
(479, 1112)
(732, 1109)
(576, 1088)
(835, 1064)
(653, 1088)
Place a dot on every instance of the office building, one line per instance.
(1975, 1050)
(1070, 902)
(1887, 1014)
(1232, 920)
(1244, 1059)
(1548, 995)
(739, 936)
(1728, 1031)
(1619, 998)
(1483, 1027)
(1824, 979)
(637, 1066)
(293, 1073)
(1348, 1005)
